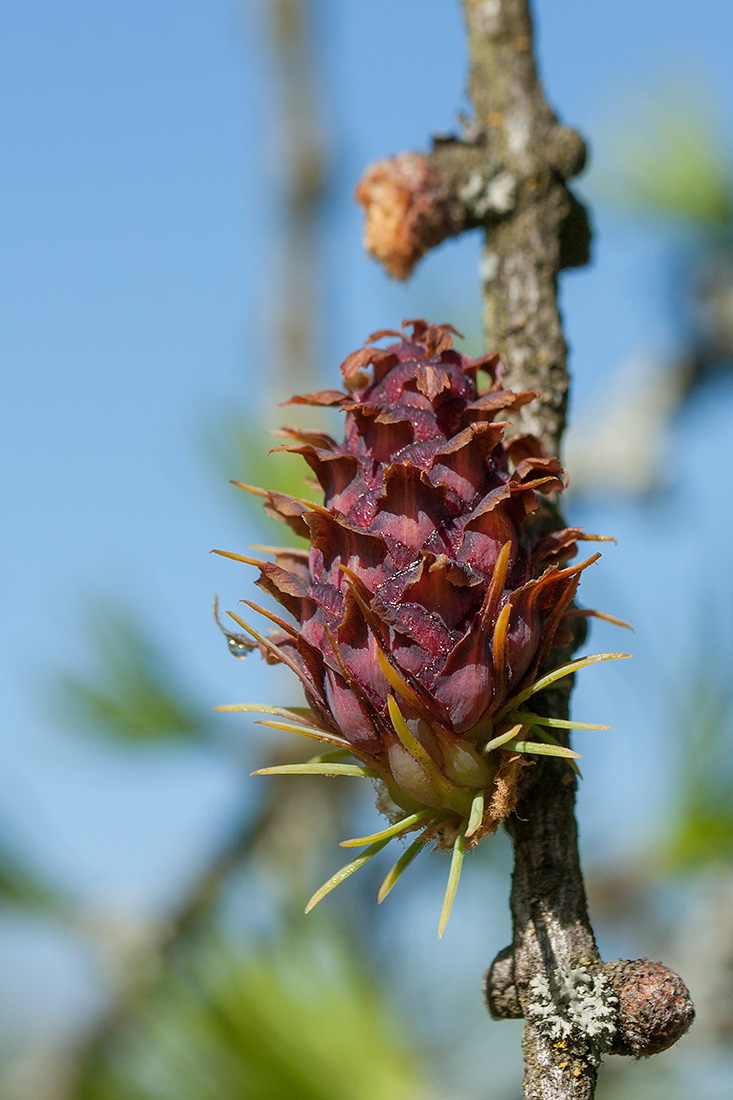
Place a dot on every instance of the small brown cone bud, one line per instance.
(655, 1007)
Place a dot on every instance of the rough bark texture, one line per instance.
(524, 141)
(507, 173)
(545, 231)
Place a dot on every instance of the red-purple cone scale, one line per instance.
(427, 604)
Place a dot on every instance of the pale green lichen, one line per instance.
(573, 1003)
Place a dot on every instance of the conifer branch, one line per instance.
(507, 173)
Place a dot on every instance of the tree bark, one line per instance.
(521, 261)
(546, 230)
(526, 145)
(508, 174)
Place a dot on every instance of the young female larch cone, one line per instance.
(428, 604)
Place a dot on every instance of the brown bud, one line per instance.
(655, 1007)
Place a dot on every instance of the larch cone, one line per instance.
(428, 603)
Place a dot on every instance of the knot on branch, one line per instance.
(414, 201)
(566, 152)
(633, 1007)
(500, 991)
(655, 1007)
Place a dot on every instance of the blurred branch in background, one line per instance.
(620, 446)
(679, 894)
(301, 182)
(303, 179)
(699, 846)
(669, 166)
(701, 831)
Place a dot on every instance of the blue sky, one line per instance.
(141, 203)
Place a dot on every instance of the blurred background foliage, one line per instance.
(132, 694)
(230, 994)
(223, 1023)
